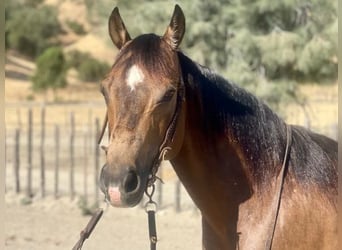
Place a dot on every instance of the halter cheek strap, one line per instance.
(165, 146)
(104, 126)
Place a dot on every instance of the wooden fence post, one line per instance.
(56, 160)
(335, 131)
(29, 153)
(42, 153)
(19, 119)
(85, 167)
(97, 160)
(178, 196)
(17, 160)
(72, 156)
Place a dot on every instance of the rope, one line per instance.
(273, 225)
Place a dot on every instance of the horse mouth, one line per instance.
(116, 198)
(126, 193)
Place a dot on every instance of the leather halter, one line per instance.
(169, 134)
(165, 146)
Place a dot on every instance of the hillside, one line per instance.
(320, 112)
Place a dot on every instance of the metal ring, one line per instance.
(150, 194)
(153, 239)
(150, 206)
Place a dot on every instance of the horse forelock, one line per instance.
(149, 53)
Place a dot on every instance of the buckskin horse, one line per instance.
(258, 182)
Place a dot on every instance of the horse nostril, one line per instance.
(103, 179)
(131, 182)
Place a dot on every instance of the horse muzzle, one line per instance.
(124, 188)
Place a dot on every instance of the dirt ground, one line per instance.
(55, 224)
(50, 223)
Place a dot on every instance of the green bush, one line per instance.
(30, 30)
(51, 70)
(92, 70)
(318, 65)
(89, 68)
(76, 27)
(75, 58)
(33, 3)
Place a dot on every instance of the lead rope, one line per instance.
(282, 173)
(151, 208)
(85, 233)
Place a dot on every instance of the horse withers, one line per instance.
(258, 182)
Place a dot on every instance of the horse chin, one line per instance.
(125, 203)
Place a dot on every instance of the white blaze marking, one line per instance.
(134, 77)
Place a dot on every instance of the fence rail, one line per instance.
(64, 159)
(50, 155)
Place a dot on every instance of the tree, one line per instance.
(30, 30)
(51, 70)
(267, 46)
(88, 67)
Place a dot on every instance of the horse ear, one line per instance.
(117, 30)
(175, 31)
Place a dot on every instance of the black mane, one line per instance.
(233, 112)
(224, 109)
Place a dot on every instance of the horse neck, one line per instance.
(229, 127)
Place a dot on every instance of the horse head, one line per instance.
(143, 94)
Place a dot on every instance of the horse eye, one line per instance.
(168, 95)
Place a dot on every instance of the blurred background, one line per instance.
(57, 52)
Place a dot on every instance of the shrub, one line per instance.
(92, 70)
(75, 58)
(29, 30)
(89, 68)
(76, 27)
(51, 70)
(34, 3)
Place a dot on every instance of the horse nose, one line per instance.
(119, 184)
